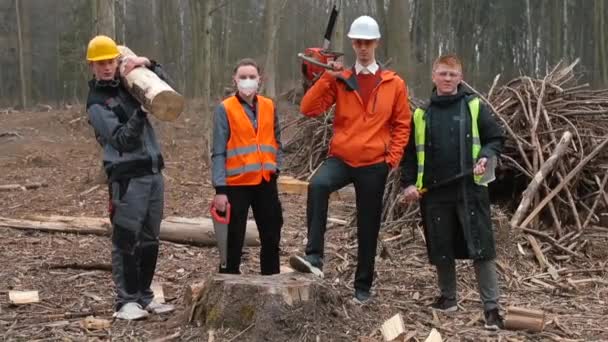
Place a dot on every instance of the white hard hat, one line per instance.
(364, 27)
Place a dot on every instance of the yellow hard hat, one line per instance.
(101, 48)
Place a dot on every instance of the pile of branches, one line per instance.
(309, 144)
(557, 135)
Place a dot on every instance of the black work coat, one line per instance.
(454, 229)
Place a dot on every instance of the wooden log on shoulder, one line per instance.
(154, 94)
(191, 231)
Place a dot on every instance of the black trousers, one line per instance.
(268, 214)
(369, 182)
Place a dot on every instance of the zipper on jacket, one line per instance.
(376, 95)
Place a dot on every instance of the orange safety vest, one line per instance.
(250, 156)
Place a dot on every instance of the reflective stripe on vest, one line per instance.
(420, 133)
(251, 155)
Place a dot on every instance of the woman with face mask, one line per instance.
(246, 160)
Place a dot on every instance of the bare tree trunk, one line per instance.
(196, 74)
(157, 52)
(337, 41)
(398, 42)
(432, 40)
(602, 40)
(269, 65)
(24, 81)
(273, 14)
(383, 22)
(182, 57)
(124, 22)
(209, 4)
(565, 42)
(227, 37)
(530, 37)
(105, 22)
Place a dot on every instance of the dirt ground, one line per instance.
(57, 147)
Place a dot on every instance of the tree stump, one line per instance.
(271, 308)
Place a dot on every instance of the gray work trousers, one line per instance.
(487, 282)
(136, 213)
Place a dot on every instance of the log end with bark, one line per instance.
(152, 92)
(265, 305)
(524, 319)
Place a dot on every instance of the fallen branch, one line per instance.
(544, 170)
(27, 186)
(568, 177)
(76, 266)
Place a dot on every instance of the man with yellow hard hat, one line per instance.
(133, 162)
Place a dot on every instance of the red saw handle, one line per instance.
(216, 215)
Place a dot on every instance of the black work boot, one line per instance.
(493, 320)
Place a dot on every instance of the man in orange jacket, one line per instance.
(371, 128)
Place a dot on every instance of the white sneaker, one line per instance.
(159, 308)
(131, 312)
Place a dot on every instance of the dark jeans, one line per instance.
(369, 182)
(268, 214)
(487, 281)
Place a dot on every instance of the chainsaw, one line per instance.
(315, 59)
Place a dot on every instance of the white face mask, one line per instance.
(248, 86)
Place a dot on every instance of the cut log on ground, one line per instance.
(191, 231)
(542, 260)
(155, 94)
(393, 329)
(434, 336)
(524, 319)
(265, 305)
(93, 323)
(23, 297)
(159, 294)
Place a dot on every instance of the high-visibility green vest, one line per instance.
(420, 132)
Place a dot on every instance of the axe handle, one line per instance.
(446, 181)
(315, 62)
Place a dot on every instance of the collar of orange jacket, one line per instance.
(349, 77)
